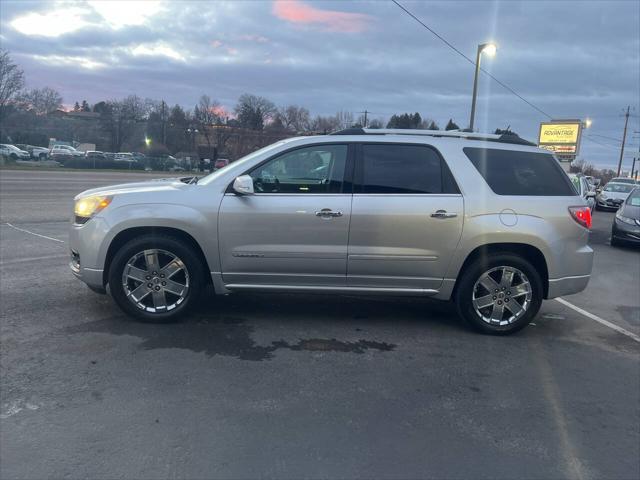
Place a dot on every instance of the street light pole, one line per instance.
(489, 49)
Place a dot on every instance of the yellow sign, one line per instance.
(555, 133)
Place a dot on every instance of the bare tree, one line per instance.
(294, 118)
(11, 82)
(119, 118)
(40, 100)
(206, 116)
(325, 125)
(344, 119)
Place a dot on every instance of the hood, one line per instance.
(156, 185)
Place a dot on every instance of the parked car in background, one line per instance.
(626, 180)
(65, 150)
(41, 153)
(626, 224)
(613, 195)
(13, 152)
(489, 221)
(124, 157)
(593, 182)
(176, 169)
(584, 189)
(220, 163)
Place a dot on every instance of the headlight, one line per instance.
(624, 219)
(87, 207)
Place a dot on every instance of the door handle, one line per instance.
(443, 214)
(328, 213)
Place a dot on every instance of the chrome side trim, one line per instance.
(573, 277)
(410, 258)
(333, 289)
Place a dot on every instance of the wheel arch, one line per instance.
(530, 253)
(127, 234)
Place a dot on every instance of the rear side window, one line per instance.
(397, 169)
(510, 172)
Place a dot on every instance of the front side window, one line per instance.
(403, 169)
(634, 198)
(511, 172)
(316, 169)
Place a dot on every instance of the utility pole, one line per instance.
(624, 138)
(365, 118)
(164, 126)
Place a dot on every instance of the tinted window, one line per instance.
(520, 173)
(403, 169)
(634, 198)
(317, 169)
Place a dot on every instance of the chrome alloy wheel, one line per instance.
(501, 295)
(155, 280)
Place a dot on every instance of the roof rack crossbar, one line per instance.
(503, 138)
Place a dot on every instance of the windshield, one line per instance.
(618, 188)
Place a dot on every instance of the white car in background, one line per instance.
(65, 150)
(14, 152)
(585, 189)
(613, 195)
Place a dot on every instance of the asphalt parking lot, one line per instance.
(304, 386)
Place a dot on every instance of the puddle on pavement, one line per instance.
(224, 335)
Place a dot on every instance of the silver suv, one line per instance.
(488, 221)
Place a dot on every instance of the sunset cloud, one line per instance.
(295, 11)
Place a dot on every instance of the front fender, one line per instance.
(202, 226)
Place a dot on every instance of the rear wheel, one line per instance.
(156, 278)
(499, 294)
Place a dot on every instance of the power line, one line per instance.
(448, 44)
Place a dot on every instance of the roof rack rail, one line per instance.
(503, 138)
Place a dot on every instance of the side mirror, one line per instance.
(243, 185)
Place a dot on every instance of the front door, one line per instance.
(406, 218)
(294, 229)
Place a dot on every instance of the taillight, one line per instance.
(582, 215)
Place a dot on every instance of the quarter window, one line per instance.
(316, 169)
(510, 172)
(403, 169)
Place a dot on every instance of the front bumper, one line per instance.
(613, 203)
(84, 243)
(625, 232)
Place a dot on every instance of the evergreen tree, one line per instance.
(451, 125)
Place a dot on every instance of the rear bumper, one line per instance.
(559, 287)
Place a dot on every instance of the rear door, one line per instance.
(294, 229)
(406, 217)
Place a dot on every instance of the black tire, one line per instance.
(473, 272)
(13, 156)
(42, 156)
(615, 242)
(192, 263)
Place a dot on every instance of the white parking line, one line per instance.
(604, 322)
(33, 233)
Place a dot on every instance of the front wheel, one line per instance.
(156, 278)
(499, 294)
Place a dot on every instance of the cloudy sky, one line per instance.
(573, 59)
